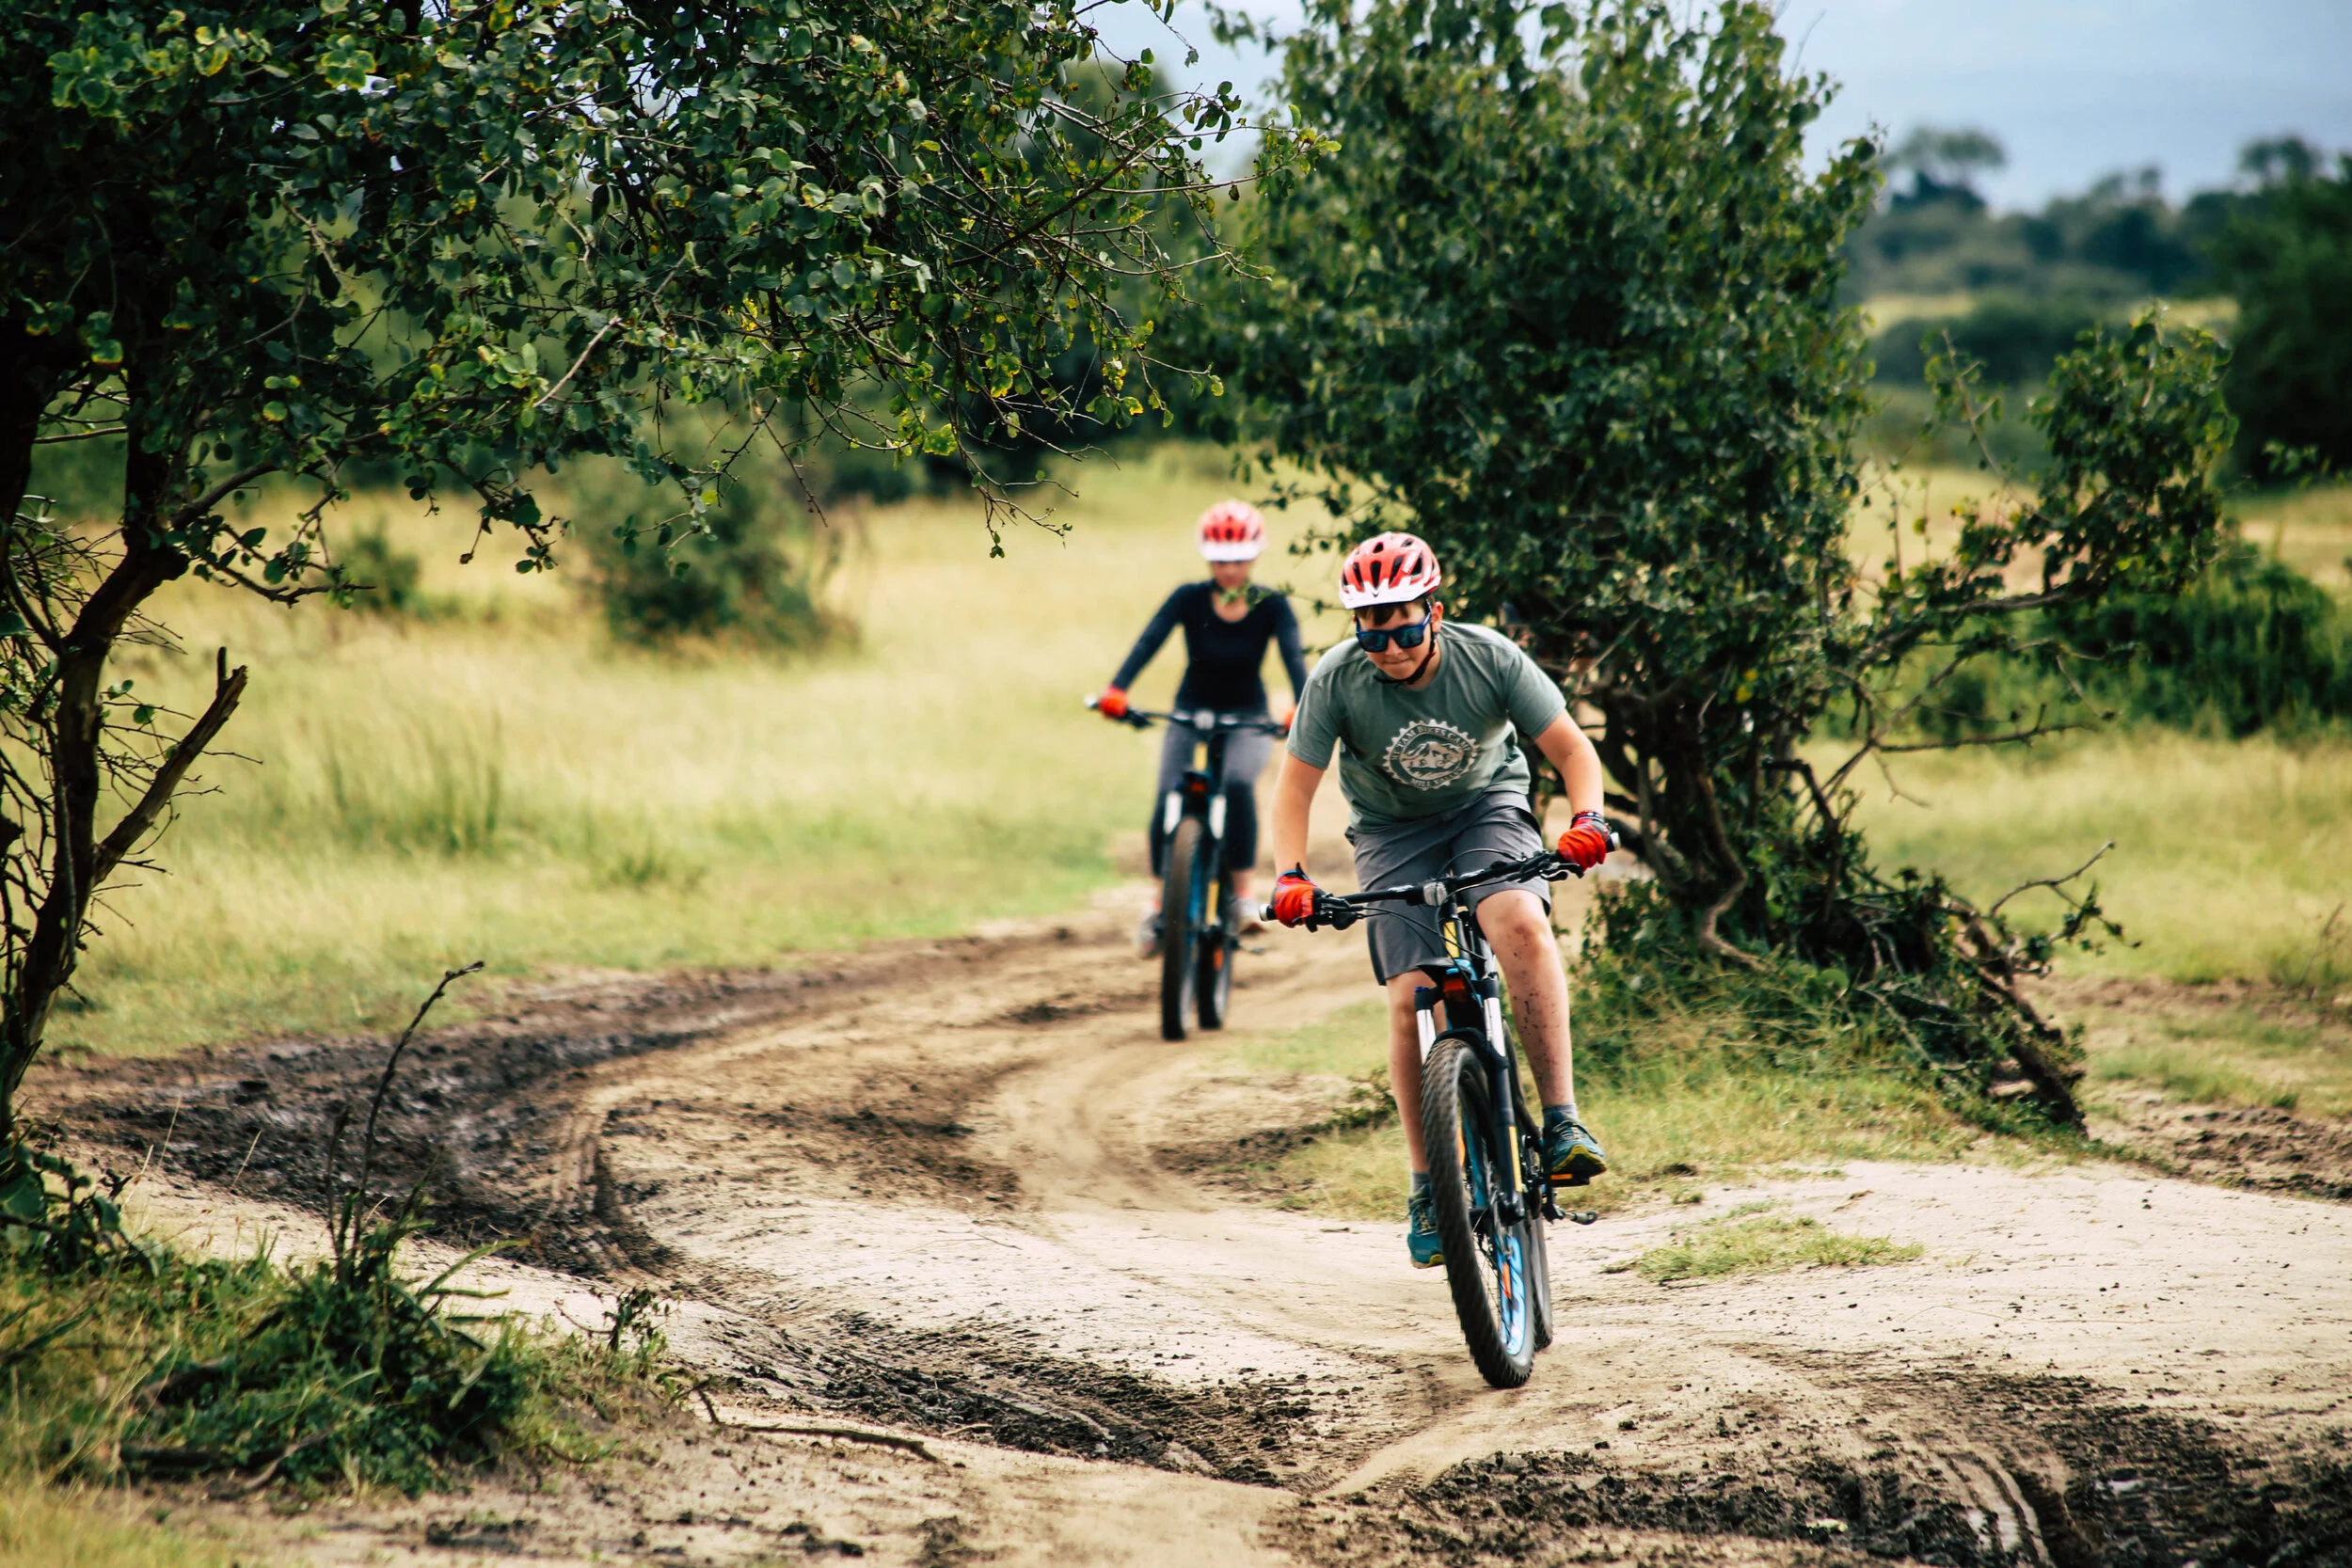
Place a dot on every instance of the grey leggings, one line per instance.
(1245, 754)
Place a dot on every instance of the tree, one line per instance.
(1565, 302)
(2286, 254)
(473, 241)
(1944, 165)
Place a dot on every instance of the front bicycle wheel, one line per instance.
(1218, 946)
(1180, 929)
(1488, 1263)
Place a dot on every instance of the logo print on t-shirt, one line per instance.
(1430, 754)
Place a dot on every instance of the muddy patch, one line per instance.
(487, 1116)
(1251, 1162)
(2260, 1147)
(982, 1384)
(1960, 1471)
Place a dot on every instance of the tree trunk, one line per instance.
(45, 964)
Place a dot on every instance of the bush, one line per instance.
(388, 575)
(2253, 645)
(127, 1358)
(2287, 256)
(1789, 1021)
(753, 571)
(2015, 338)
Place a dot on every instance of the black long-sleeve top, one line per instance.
(1223, 658)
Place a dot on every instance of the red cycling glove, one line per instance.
(1293, 897)
(1112, 703)
(1587, 842)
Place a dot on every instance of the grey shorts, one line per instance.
(1497, 825)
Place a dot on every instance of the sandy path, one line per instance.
(927, 1199)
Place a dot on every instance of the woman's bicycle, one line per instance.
(1198, 934)
(1488, 1184)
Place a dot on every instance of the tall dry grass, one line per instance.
(2228, 858)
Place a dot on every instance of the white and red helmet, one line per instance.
(1232, 531)
(1387, 568)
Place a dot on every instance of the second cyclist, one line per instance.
(1227, 620)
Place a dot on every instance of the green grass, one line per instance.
(1351, 1042)
(2193, 1073)
(91, 1528)
(502, 782)
(1749, 1242)
(139, 1361)
(1688, 1102)
(2255, 1054)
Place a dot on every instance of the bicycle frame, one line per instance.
(1466, 984)
(1198, 939)
(1202, 792)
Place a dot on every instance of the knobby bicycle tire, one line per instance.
(1493, 1298)
(1539, 1251)
(1214, 979)
(1180, 942)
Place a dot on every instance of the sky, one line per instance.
(2073, 90)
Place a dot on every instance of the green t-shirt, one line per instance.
(1407, 754)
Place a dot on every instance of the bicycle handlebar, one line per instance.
(1142, 719)
(1339, 911)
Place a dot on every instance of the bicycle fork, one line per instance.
(1467, 997)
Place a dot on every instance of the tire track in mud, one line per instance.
(928, 1186)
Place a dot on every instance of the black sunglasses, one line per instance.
(1404, 637)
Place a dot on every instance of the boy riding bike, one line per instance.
(1228, 622)
(1422, 710)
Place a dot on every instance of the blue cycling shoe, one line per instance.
(1572, 1155)
(1421, 1232)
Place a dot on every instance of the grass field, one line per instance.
(2228, 860)
(42, 1527)
(502, 781)
(2227, 856)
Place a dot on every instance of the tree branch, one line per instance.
(2050, 882)
(228, 690)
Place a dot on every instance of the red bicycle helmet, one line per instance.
(1389, 568)
(1232, 531)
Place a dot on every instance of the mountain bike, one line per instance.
(1488, 1184)
(1198, 922)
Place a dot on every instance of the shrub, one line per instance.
(2252, 644)
(130, 1358)
(752, 569)
(2287, 256)
(378, 576)
(2015, 338)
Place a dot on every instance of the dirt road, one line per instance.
(920, 1194)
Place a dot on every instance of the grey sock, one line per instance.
(1421, 1182)
(1553, 1114)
